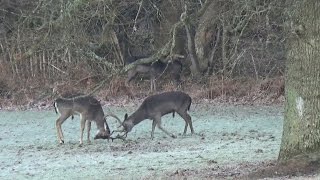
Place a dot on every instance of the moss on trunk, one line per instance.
(301, 132)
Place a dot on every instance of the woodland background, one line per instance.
(234, 51)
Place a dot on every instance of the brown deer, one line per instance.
(89, 110)
(155, 70)
(156, 106)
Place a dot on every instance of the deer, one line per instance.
(89, 109)
(156, 106)
(155, 70)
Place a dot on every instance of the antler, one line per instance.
(123, 137)
(114, 116)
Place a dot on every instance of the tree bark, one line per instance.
(194, 60)
(301, 129)
(204, 30)
(195, 67)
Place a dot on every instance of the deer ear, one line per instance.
(125, 116)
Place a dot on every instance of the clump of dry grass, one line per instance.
(239, 91)
(115, 91)
(211, 89)
(117, 87)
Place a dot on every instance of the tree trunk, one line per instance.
(301, 129)
(194, 60)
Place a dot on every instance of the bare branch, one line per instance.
(55, 67)
(135, 20)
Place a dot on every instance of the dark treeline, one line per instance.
(50, 41)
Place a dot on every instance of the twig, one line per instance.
(254, 66)
(55, 67)
(135, 20)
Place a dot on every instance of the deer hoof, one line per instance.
(61, 141)
(173, 136)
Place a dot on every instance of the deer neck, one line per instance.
(139, 116)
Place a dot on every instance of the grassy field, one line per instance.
(227, 138)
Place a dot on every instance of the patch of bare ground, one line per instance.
(236, 171)
(300, 167)
(262, 170)
(304, 166)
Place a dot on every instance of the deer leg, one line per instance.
(158, 122)
(88, 131)
(153, 128)
(131, 74)
(153, 83)
(177, 81)
(82, 126)
(185, 128)
(59, 122)
(187, 119)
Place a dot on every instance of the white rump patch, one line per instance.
(56, 107)
(300, 106)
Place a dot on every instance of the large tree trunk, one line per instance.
(301, 131)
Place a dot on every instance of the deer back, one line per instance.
(167, 102)
(173, 68)
(158, 105)
(85, 105)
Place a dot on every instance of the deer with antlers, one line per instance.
(156, 106)
(89, 110)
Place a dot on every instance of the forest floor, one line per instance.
(236, 138)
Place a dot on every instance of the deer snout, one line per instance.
(102, 135)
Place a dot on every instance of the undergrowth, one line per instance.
(213, 90)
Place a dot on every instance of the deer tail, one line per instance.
(55, 107)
